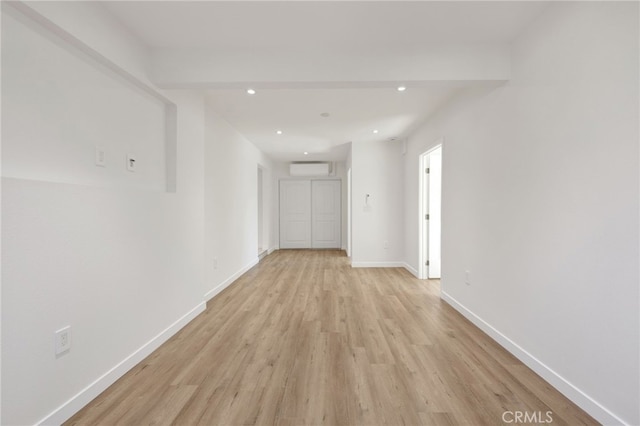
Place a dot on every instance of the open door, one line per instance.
(430, 213)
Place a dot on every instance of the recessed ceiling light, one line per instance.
(251, 91)
(375, 131)
(279, 132)
(306, 153)
(401, 88)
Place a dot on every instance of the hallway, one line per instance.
(302, 338)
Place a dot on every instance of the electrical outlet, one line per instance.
(63, 340)
(386, 245)
(215, 263)
(467, 277)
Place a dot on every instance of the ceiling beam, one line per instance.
(214, 69)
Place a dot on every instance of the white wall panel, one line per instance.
(541, 204)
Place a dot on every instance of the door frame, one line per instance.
(423, 209)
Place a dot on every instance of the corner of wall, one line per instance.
(82, 398)
(599, 412)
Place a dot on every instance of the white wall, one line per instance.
(540, 204)
(231, 203)
(377, 171)
(89, 22)
(51, 142)
(120, 264)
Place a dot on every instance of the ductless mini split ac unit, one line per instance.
(310, 168)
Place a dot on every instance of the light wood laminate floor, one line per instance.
(304, 339)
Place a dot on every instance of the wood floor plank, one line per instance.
(304, 339)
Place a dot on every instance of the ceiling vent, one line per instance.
(310, 168)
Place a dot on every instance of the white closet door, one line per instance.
(325, 214)
(295, 214)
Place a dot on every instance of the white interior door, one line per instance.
(430, 213)
(325, 214)
(295, 214)
(435, 217)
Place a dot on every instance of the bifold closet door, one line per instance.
(325, 214)
(310, 213)
(295, 214)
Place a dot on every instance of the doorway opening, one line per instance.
(430, 213)
(262, 246)
(349, 213)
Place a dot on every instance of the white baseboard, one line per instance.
(385, 265)
(582, 400)
(272, 249)
(377, 264)
(408, 267)
(217, 289)
(69, 408)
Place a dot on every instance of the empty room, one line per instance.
(320, 212)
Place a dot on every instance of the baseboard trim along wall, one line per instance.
(404, 265)
(69, 408)
(217, 289)
(410, 269)
(377, 264)
(597, 411)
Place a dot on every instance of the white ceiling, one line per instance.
(321, 24)
(302, 28)
(354, 113)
